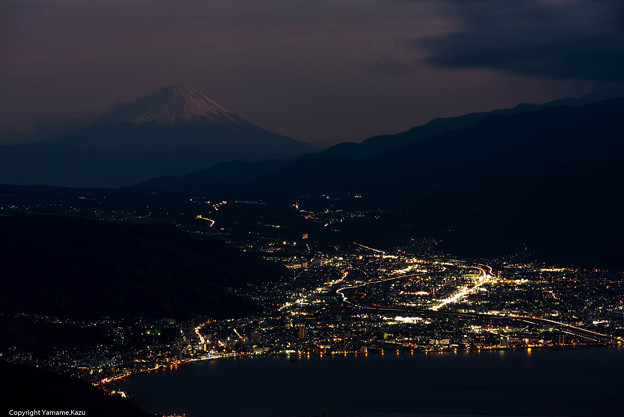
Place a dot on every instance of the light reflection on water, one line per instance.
(580, 382)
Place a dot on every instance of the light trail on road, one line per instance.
(485, 278)
(315, 291)
(369, 248)
(201, 338)
(237, 333)
(200, 217)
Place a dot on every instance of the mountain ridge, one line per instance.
(181, 117)
(429, 162)
(380, 143)
(144, 270)
(170, 105)
(175, 130)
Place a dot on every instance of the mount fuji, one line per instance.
(180, 117)
(178, 104)
(172, 131)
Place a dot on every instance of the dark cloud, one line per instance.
(578, 39)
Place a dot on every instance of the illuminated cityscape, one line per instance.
(282, 208)
(345, 299)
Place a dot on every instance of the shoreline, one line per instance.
(375, 352)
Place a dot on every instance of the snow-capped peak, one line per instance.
(171, 105)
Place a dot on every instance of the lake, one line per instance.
(574, 382)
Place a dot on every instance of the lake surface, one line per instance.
(578, 382)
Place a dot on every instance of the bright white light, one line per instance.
(485, 278)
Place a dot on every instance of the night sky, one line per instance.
(310, 69)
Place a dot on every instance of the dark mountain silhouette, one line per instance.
(567, 214)
(378, 144)
(224, 178)
(25, 387)
(546, 180)
(44, 128)
(496, 145)
(180, 117)
(74, 267)
(64, 165)
(173, 131)
(545, 183)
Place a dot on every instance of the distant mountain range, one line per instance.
(496, 144)
(545, 182)
(378, 144)
(173, 131)
(538, 179)
(565, 214)
(177, 131)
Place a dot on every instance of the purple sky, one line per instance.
(314, 70)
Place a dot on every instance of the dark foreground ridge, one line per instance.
(81, 268)
(28, 388)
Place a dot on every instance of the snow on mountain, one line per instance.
(171, 105)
